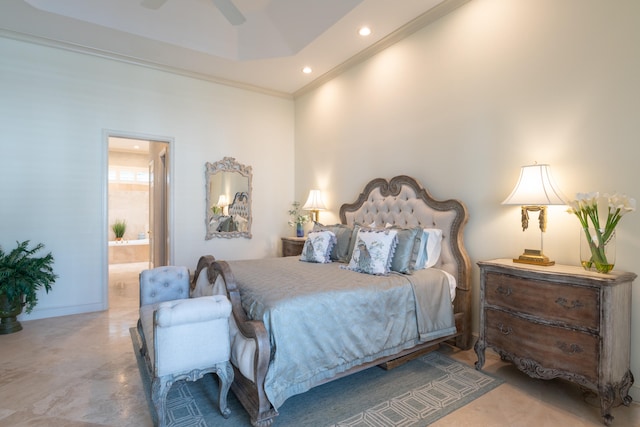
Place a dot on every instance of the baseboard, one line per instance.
(61, 311)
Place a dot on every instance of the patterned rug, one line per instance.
(415, 394)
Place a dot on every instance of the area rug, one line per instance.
(415, 394)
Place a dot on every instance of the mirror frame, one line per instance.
(227, 164)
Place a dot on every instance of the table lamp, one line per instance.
(314, 204)
(534, 191)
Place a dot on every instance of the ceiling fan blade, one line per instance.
(153, 4)
(230, 11)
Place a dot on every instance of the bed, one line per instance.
(296, 325)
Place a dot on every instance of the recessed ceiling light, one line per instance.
(307, 70)
(364, 31)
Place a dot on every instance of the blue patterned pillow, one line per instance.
(340, 251)
(373, 251)
(317, 247)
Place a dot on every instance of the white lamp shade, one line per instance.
(535, 187)
(222, 201)
(314, 201)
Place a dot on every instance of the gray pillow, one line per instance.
(340, 251)
(406, 254)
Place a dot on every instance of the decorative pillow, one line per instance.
(352, 242)
(357, 227)
(430, 248)
(373, 251)
(407, 250)
(340, 251)
(317, 247)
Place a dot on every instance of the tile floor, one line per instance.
(79, 370)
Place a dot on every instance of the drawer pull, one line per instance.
(564, 303)
(503, 291)
(504, 330)
(569, 348)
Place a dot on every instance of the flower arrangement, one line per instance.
(585, 207)
(297, 218)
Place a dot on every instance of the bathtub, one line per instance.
(125, 251)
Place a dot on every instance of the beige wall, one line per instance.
(463, 103)
(56, 109)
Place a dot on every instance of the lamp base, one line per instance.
(534, 257)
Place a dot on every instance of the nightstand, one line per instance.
(560, 322)
(292, 246)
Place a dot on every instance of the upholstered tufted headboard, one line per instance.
(402, 201)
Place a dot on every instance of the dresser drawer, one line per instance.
(572, 305)
(550, 346)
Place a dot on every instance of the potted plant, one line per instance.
(22, 274)
(119, 227)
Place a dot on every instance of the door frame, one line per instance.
(111, 133)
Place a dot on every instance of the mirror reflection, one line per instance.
(228, 201)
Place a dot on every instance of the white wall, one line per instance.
(463, 103)
(55, 107)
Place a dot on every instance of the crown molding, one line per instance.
(72, 47)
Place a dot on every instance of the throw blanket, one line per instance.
(323, 320)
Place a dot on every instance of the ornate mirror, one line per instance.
(228, 204)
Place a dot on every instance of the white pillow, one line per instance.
(373, 251)
(430, 248)
(317, 247)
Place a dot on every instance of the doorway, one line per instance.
(138, 190)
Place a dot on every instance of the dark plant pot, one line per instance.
(8, 315)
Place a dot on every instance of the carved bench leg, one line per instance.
(225, 378)
(159, 390)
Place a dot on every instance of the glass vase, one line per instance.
(299, 230)
(596, 252)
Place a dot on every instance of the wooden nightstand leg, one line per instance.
(609, 392)
(625, 386)
(607, 396)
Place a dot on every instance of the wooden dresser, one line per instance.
(560, 322)
(292, 246)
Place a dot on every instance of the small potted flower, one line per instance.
(297, 219)
(119, 227)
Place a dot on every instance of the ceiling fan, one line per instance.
(226, 7)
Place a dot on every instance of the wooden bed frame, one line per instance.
(400, 201)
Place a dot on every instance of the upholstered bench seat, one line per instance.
(175, 328)
(182, 338)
